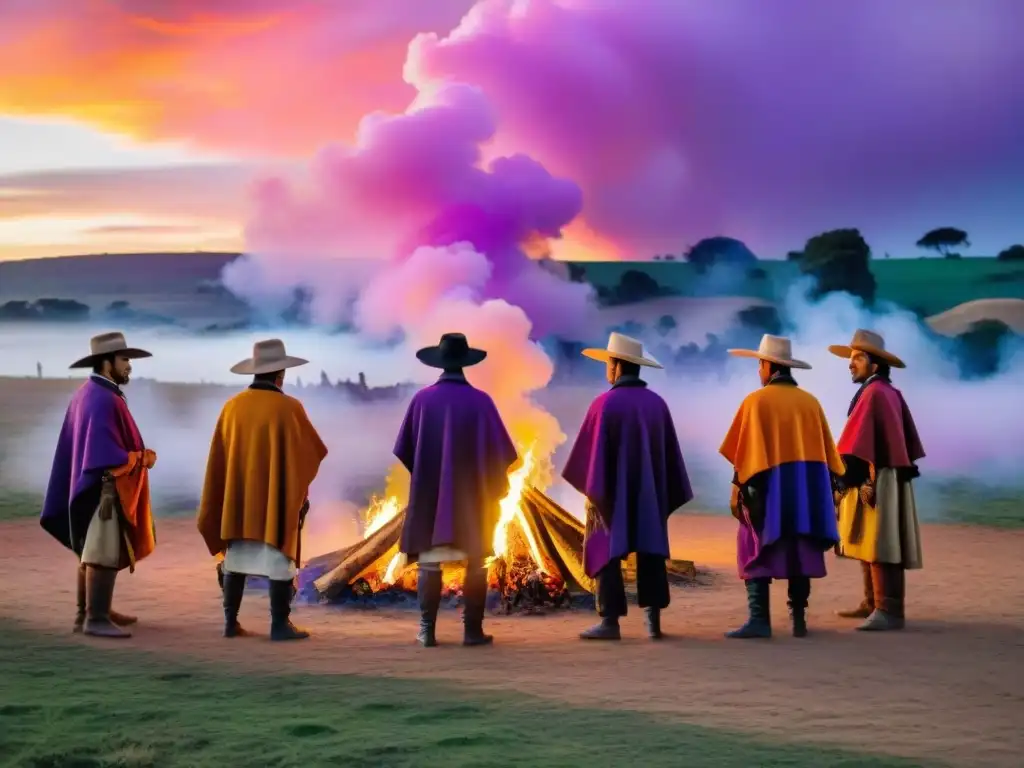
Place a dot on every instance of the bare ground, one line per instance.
(950, 688)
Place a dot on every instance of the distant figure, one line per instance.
(784, 461)
(362, 381)
(263, 456)
(458, 454)
(877, 512)
(97, 500)
(39, 370)
(627, 463)
(324, 381)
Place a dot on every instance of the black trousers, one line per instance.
(651, 586)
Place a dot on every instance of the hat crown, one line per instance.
(862, 337)
(453, 345)
(776, 346)
(105, 343)
(620, 344)
(268, 351)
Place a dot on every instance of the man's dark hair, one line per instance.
(884, 369)
(97, 366)
(628, 369)
(779, 370)
(267, 378)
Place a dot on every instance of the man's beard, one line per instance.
(858, 378)
(121, 379)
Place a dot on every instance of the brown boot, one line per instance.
(888, 613)
(867, 605)
(80, 615)
(99, 584)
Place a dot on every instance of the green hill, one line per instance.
(926, 285)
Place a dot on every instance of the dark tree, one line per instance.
(117, 306)
(635, 285)
(839, 260)
(944, 238)
(719, 250)
(666, 324)
(1013, 253)
(62, 309)
(577, 273)
(978, 349)
(760, 318)
(794, 255)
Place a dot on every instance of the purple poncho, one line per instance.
(626, 460)
(98, 434)
(458, 454)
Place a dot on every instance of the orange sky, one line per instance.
(126, 130)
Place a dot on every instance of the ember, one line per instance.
(538, 568)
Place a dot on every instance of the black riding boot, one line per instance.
(233, 588)
(428, 590)
(759, 621)
(799, 592)
(474, 596)
(281, 627)
(653, 620)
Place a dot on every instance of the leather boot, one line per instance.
(799, 592)
(759, 623)
(428, 591)
(867, 605)
(474, 596)
(606, 629)
(889, 590)
(281, 627)
(121, 619)
(99, 591)
(652, 620)
(233, 590)
(80, 615)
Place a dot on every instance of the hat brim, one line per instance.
(844, 351)
(753, 353)
(249, 367)
(433, 357)
(603, 356)
(130, 352)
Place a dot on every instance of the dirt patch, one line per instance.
(948, 688)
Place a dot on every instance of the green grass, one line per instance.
(964, 502)
(15, 505)
(925, 285)
(78, 707)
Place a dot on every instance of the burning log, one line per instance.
(518, 584)
(353, 560)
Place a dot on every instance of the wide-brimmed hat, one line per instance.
(109, 344)
(267, 357)
(453, 351)
(869, 342)
(625, 348)
(774, 349)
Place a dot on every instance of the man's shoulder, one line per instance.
(780, 398)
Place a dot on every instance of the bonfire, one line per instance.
(537, 564)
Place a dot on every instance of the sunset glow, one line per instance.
(157, 116)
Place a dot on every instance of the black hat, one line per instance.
(453, 351)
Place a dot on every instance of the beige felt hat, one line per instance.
(267, 357)
(625, 348)
(869, 342)
(774, 349)
(109, 344)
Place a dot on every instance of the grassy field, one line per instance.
(78, 707)
(926, 285)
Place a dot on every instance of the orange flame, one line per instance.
(383, 510)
